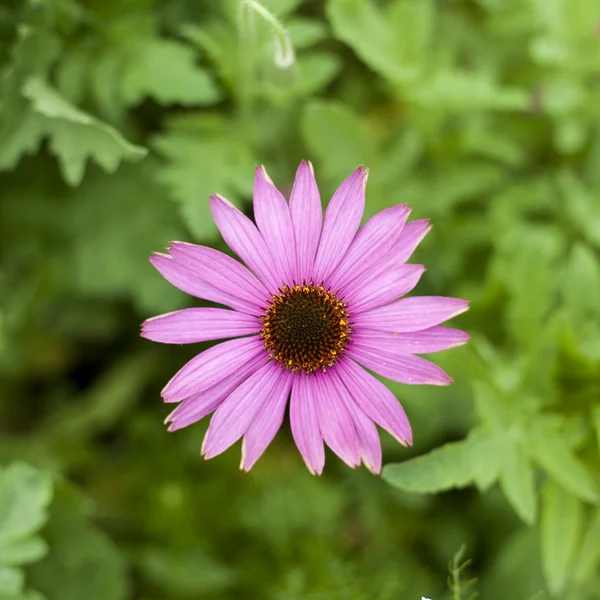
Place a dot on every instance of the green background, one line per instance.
(119, 117)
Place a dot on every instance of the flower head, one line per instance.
(319, 301)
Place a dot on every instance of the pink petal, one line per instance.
(411, 236)
(412, 233)
(183, 278)
(426, 341)
(335, 422)
(245, 240)
(307, 216)
(411, 314)
(199, 405)
(376, 400)
(303, 420)
(342, 218)
(387, 287)
(192, 325)
(374, 239)
(275, 223)
(367, 436)
(224, 272)
(266, 423)
(404, 368)
(232, 419)
(211, 366)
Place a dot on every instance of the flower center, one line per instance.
(305, 328)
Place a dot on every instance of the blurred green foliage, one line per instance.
(119, 117)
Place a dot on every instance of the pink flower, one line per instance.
(317, 304)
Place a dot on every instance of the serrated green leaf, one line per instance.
(374, 37)
(548, 447)
(517, 482)
(166, 71)
(76, 136)
(454, 465)
(560, 533)
(25, 494)
(203, 157)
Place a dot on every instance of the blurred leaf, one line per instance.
(338, 137)
(560, 535)
(83, 562)
(517, 482)
(25, 494)
(374, 36)
(588, 558)
(118, 221)
(203, 157)
(460, 91)
(582, 273)
(454, 465)
(166, 71)
(596, 422)
(547, 446)
(75, 135)
(186, 572)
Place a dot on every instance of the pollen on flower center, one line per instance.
(305, 328)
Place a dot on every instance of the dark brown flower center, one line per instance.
(306, 328)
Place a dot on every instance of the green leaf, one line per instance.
(547, 446)
(188, 572)
(166, 71)
(374, 36)
(25, 494)
(464, 91)
(581, 284)
(338, 137)
(596, 422)
(82, 562)
(118, 221)
(588, 559)
(560, 533)
(517, 482)
(454, 465)
(75, 135)
(204, 156)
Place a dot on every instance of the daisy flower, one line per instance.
(318, 305)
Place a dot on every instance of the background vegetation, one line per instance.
(119, 117)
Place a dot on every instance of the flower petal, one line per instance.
(307, 217)
(374, 239)
(411, 314)
(387, 287)
(266, 423)
(245, 240)
(199, 405)
(335, 422)
(232, 419)
(186, 280)
(412, 235)
(342, 219)
(275, 223)
(367, 436)
(192, 325)
(304, 424)
(224, 272)
(211, 366)
(376, 400)
(404, 368)
(426, 341)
